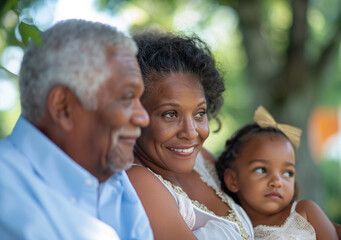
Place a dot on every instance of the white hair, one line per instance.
(73, 54)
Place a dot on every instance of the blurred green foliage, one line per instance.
(331, 176)
(282, 54)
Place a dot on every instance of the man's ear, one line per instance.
(60, 102)
(230, 179)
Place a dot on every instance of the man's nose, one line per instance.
(140, 116)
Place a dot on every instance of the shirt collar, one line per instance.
(49, 162)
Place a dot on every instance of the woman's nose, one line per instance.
(188, 128)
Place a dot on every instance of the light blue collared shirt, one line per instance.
(44, 194)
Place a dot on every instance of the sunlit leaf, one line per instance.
(30, 32)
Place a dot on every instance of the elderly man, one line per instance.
(62, 168)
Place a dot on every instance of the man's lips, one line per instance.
(128, 139)
(274, 195)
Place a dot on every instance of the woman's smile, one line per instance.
(178, 123)
(182, 151)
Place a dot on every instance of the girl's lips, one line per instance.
(274, 195)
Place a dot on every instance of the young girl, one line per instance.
(257, 168)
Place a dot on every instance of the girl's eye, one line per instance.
(170, 114)
(200, 114)
(288, 174)
(259, 170)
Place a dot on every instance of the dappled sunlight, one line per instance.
(316, 20)
(255, 53)
(134, 15)
(280, 15)
(84, 9)
(11, 59)
(8, 95)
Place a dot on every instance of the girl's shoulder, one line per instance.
(305, 206)
(317, 218)
(308, 209)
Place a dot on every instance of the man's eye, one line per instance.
(171, 114)
(259, 170)
(128, 96)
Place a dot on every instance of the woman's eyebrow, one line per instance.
(202, 103)
(167, 104)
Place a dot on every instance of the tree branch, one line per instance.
(11, 75)
(328, 51)
(295, 63)
(294, 73)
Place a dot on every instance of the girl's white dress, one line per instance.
(204, 223)
(295, 227)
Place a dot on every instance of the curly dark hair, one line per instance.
(161, 54)
(233, 146)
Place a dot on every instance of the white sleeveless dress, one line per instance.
(204, 223)
(295, 227)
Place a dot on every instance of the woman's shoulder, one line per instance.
(150, 181)
(160, 205)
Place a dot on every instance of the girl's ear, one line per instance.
(230, 179)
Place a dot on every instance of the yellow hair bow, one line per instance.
(264, 119)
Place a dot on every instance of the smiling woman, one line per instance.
(177, 109)
(183, 88)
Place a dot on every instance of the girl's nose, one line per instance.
(275, 181)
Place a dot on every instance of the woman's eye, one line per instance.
(200, 114)
(259, 170)
(171, 114)
(288, 174)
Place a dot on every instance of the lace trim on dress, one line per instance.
(232, 213)
(294, 227)
(232, 216)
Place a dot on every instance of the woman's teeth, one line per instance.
(188, 150)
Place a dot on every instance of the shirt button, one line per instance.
(88, 181)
